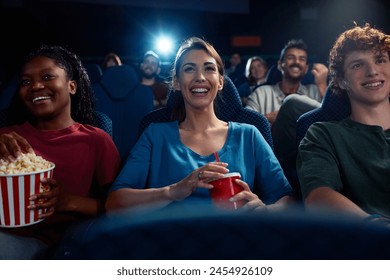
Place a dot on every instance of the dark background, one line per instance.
(128, 27)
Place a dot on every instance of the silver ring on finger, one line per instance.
(200, 175)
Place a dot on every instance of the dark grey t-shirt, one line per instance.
(351, 158)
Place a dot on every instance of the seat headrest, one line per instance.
(339, 105)
(94, 71)
(119, 81)
(228, 102)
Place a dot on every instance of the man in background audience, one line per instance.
(150, 69)
(283, 102)
(111, 59)
(236, 69)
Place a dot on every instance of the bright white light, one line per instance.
(164, 45)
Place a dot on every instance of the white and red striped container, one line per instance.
(15, 191)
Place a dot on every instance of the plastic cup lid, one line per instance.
(228, 175)
(232, 174)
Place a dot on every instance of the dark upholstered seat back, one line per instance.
(8, 92)
(206, 234)
(120, 95)
(333, 108)
(94, 71)
(228, 108)
(103, 121)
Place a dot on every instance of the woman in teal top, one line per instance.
(174, 161)
(160, 159)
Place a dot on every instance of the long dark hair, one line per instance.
(82, 103)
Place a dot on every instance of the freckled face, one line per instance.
(367, 76)
(198, 79)
(45, 88)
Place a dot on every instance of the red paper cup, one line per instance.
(15, 191)
(224, 189)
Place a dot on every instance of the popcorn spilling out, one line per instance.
(26, 163)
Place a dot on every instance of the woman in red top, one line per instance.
(52, 116)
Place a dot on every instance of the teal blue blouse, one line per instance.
(159, 158)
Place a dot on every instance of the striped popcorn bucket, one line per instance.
(15, 191)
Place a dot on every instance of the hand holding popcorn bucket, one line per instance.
(18, 181)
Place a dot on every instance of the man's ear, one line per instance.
(280, 65)
(158, 71)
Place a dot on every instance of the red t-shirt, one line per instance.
(81, 153)
(86, 160)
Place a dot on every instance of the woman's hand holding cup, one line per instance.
(251, 200)
(200, 177)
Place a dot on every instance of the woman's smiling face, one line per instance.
(198, 78)
(45, 87)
